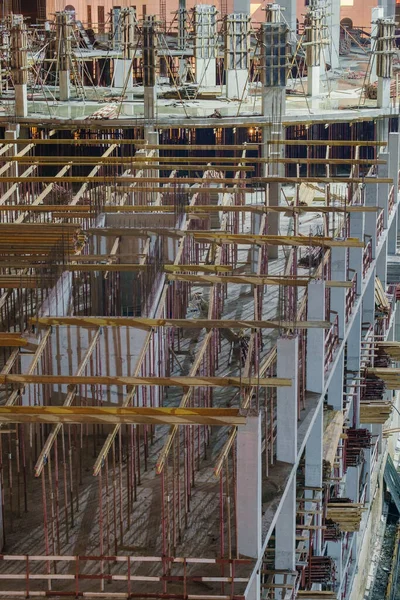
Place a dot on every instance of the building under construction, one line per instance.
(200, 347)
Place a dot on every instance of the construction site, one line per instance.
(199, 281)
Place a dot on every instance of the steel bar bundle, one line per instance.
(356, 441)
(321, 569)
(373, 388)
(332, 533)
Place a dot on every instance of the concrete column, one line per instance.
(273, 41)
(149, 67)
(388, 6)
(313, 80)
(385, 43)
(12, 133)
(315, 367)
(249, 487)
(314, 24)
(205, 45)
(352, 483)
(64, 52)
(19, 67)
(334, 550)
(314, 445)
(354, 345)
(368, 303)
(377, 13)
(64, 79)
(21, 100)
(287, 397)
(206, 72)
(334, 27)
(313, 468)
(383, 188)
(338, 295)
(381, 265)
(237, 39)
(371, 199)
(123, 69)
(116, 27)
(394, 160)
(285, 532)
(367, 468)
(289, 8)
(383, 92)
(356, 254)
(392, 235)
(256, 220)
(252, 591)
(150, 102)
(335, 390)
(394, 164)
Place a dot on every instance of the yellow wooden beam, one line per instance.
(105, 415)
(147, 323)
(220, 237)
(252, 280)
(87, 209)
(108, 380)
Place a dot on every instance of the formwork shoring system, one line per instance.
(124, 455)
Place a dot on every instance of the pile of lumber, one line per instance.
(375, 412)
(332, 435)
(389, 376)
(345, 513)
(107, 112)
(392, 349)
(382, 303)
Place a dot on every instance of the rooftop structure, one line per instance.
(198, 301)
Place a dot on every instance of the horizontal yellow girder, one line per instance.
(147, 323)
(118, 415)
(109, 380)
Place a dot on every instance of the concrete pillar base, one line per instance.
(122, 68)
(150, 102)
(315, 369)
(206, 72)
(286, 442)
(313, 81)
(249, 487)
(236, 82)
(383, 100)
(21, 100)
(64, 86)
